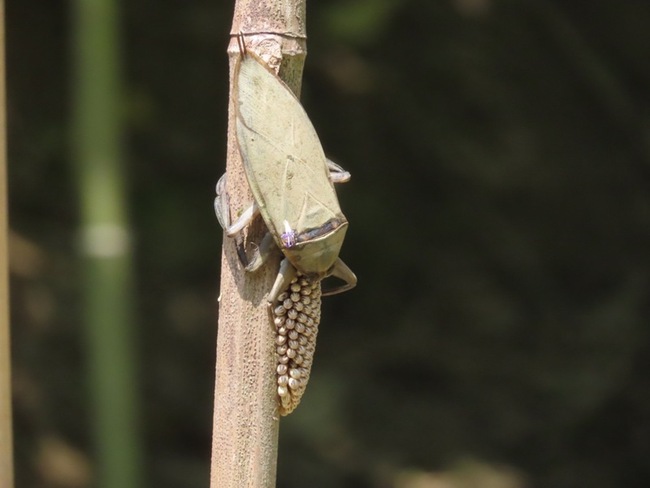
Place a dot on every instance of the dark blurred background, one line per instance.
(499, 225)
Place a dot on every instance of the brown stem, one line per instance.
(6, 451)
(246, 418)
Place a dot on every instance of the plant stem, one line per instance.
(107, 267)
(6, 438)
(246, 418)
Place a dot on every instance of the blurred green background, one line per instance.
(499, 225)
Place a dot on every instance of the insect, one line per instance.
(291, 181)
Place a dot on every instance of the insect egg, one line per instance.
(296, 315)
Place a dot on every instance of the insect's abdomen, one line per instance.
(296, 315)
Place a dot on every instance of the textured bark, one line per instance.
(246, 417)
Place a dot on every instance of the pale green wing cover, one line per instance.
(284, 161)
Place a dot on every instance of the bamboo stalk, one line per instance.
(246, 418)
(107, 269)
(6, 440)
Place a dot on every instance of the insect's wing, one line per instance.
(283, 158)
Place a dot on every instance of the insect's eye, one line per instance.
(289, 236)
(289, 239)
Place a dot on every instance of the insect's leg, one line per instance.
(261, 254)
(337, 173)
(222, 210)
(340, 270)
(222, 204)
(285, 275)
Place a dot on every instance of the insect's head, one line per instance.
(313, 253)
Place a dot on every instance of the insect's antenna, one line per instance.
(241, 43)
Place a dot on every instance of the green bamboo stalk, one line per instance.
(6, 441)
(107, 264)
(246, 417)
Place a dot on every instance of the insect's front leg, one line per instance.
(341, 271)
(222, 210)
(261, 254)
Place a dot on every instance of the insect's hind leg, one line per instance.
(337, 173)
(341, 271)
